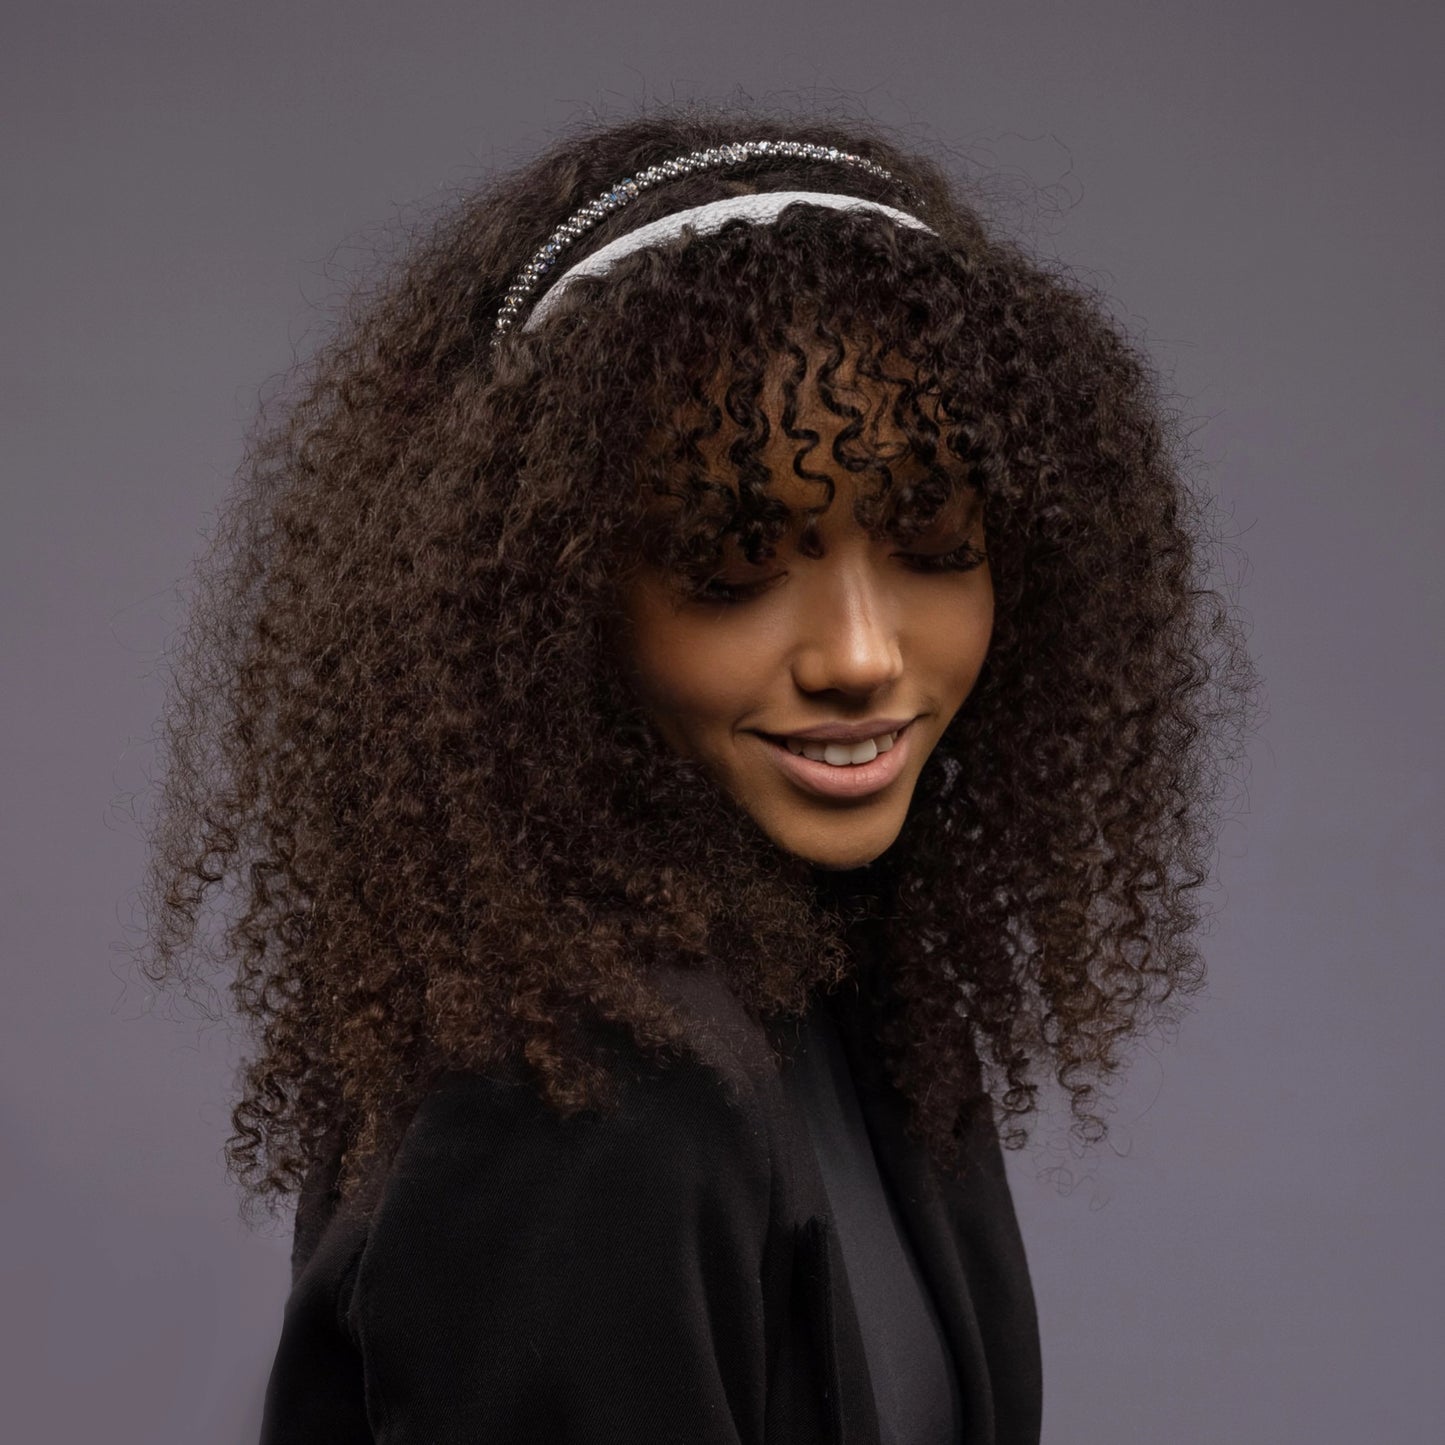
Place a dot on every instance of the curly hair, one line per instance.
(396, 718)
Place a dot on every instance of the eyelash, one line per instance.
(729, 591)
(964, 558)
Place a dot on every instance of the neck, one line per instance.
(859, 899)
(836, 884)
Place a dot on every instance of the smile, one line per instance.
(841, 755)
(842, 770)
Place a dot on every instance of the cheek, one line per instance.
(959, 640)
(671, 692)
(682, 681)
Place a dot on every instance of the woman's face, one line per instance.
(844, 650)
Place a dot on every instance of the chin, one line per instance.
(830, 866)
(840, 860)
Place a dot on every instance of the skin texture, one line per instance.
(852, 629)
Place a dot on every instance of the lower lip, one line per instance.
(850, 780)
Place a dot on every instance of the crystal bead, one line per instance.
(595, 210)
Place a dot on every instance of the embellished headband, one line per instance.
(759, 207)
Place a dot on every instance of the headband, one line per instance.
(758, 208)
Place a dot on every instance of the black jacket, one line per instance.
(667, 1276)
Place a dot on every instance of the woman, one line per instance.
(710, 687)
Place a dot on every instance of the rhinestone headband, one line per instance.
(718, 158)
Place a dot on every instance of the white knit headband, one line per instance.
(759, 208)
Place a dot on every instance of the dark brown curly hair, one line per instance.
(397, 724)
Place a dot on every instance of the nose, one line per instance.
(849, 638)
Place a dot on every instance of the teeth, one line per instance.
(842, 755)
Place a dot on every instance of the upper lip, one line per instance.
(846, 732)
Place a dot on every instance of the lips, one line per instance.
(843, 732)
(842, 780)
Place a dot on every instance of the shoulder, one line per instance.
(689, 1145)
(674, 1129)
(703, 1142)
(517, 1274)
(513, 1273)
(502, 1216)
(724, 1096)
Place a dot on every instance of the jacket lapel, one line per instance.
(835, 1339)
(918, 1191)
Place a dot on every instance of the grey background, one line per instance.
(1257, 1259)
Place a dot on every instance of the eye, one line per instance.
(717, 591)
(960, 559)
(702, 586)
